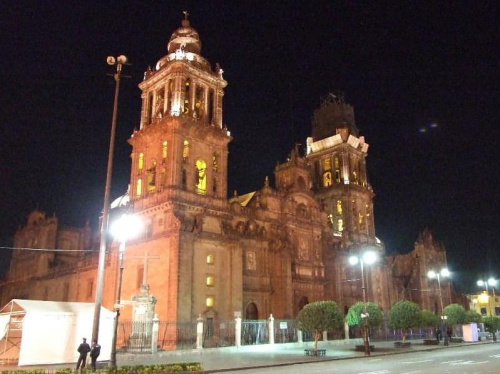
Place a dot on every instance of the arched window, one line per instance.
(152, 177)
(301, 183)
(303, 302)
(164, 149)
(140, 161)
(337, 168)
(184, 179)
(139, 187)
(201, 173)
(185, 150)
(163, 180)
(187, 95)
(327, 172)
(215, 162)
(199, 101)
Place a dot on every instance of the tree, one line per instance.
(375, 317)
(471, 316)
(405, 315)
(429, 319)
(455, 314)
(492, 324)
(320, 316)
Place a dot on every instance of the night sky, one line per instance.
(422, 76)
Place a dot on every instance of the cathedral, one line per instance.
(269, 251)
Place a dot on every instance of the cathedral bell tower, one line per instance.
(181, 145)
(337, 156)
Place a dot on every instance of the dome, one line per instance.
(185, 37)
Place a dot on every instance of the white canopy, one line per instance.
(35, 332)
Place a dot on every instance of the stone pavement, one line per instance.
(258, 356)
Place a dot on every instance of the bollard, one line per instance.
(199, 333)
(154, 334)
(271, 329)
(237, 332)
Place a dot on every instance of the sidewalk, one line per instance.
(258, 356)
(248, 357)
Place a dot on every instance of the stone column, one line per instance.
(299, 336)
(199, 333)
(271, 329)
(154, 335)
(237, 332)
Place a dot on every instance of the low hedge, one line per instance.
(137, 369)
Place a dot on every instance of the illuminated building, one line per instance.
(268, 251)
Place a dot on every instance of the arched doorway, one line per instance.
(303, 302)
(251, 311)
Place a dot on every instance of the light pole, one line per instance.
(368, 258)
(101, 267)
(125, 228)
(432, 275)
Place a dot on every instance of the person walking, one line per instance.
(83, 349)
(438, 334)
(95, 351)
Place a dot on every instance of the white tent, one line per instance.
(34, 332)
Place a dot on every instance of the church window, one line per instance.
(210, 302)
(327, 172)
(337, 168)
(164, 149)
(199, 101)
(201, 172)
(210, 259)
(214, 185)
(160, 103)
(139, 187)
(140, 275)
(149, 230)
(302, 210)
(251, 261)
(210, 280)
(339, 206)
(185, 150)
(140, 161)
(152, 177)
(340, 225)
(187, 93)
(210, 105)
(215, 162)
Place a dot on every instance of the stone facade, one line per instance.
(269, 251)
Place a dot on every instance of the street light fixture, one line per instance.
(437, 275)
(368, 258)
(126, 227)
(101, 267)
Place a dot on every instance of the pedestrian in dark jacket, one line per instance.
(83, 349)
(95, 351)
(438, 334)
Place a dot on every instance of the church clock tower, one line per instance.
(182, 143)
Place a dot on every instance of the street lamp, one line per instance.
(368, 258)
(125, 228)
(432, 275)
(101, 267)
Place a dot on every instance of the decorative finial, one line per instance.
(186, 14)
(266, 181)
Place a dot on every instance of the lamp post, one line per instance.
(125, 228)
(432, 275)
(101, 267)
(368, 258)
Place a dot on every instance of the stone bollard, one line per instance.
(154, 334)
(237, 332)
(299, 336)
(271, 329)
(199, 333)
